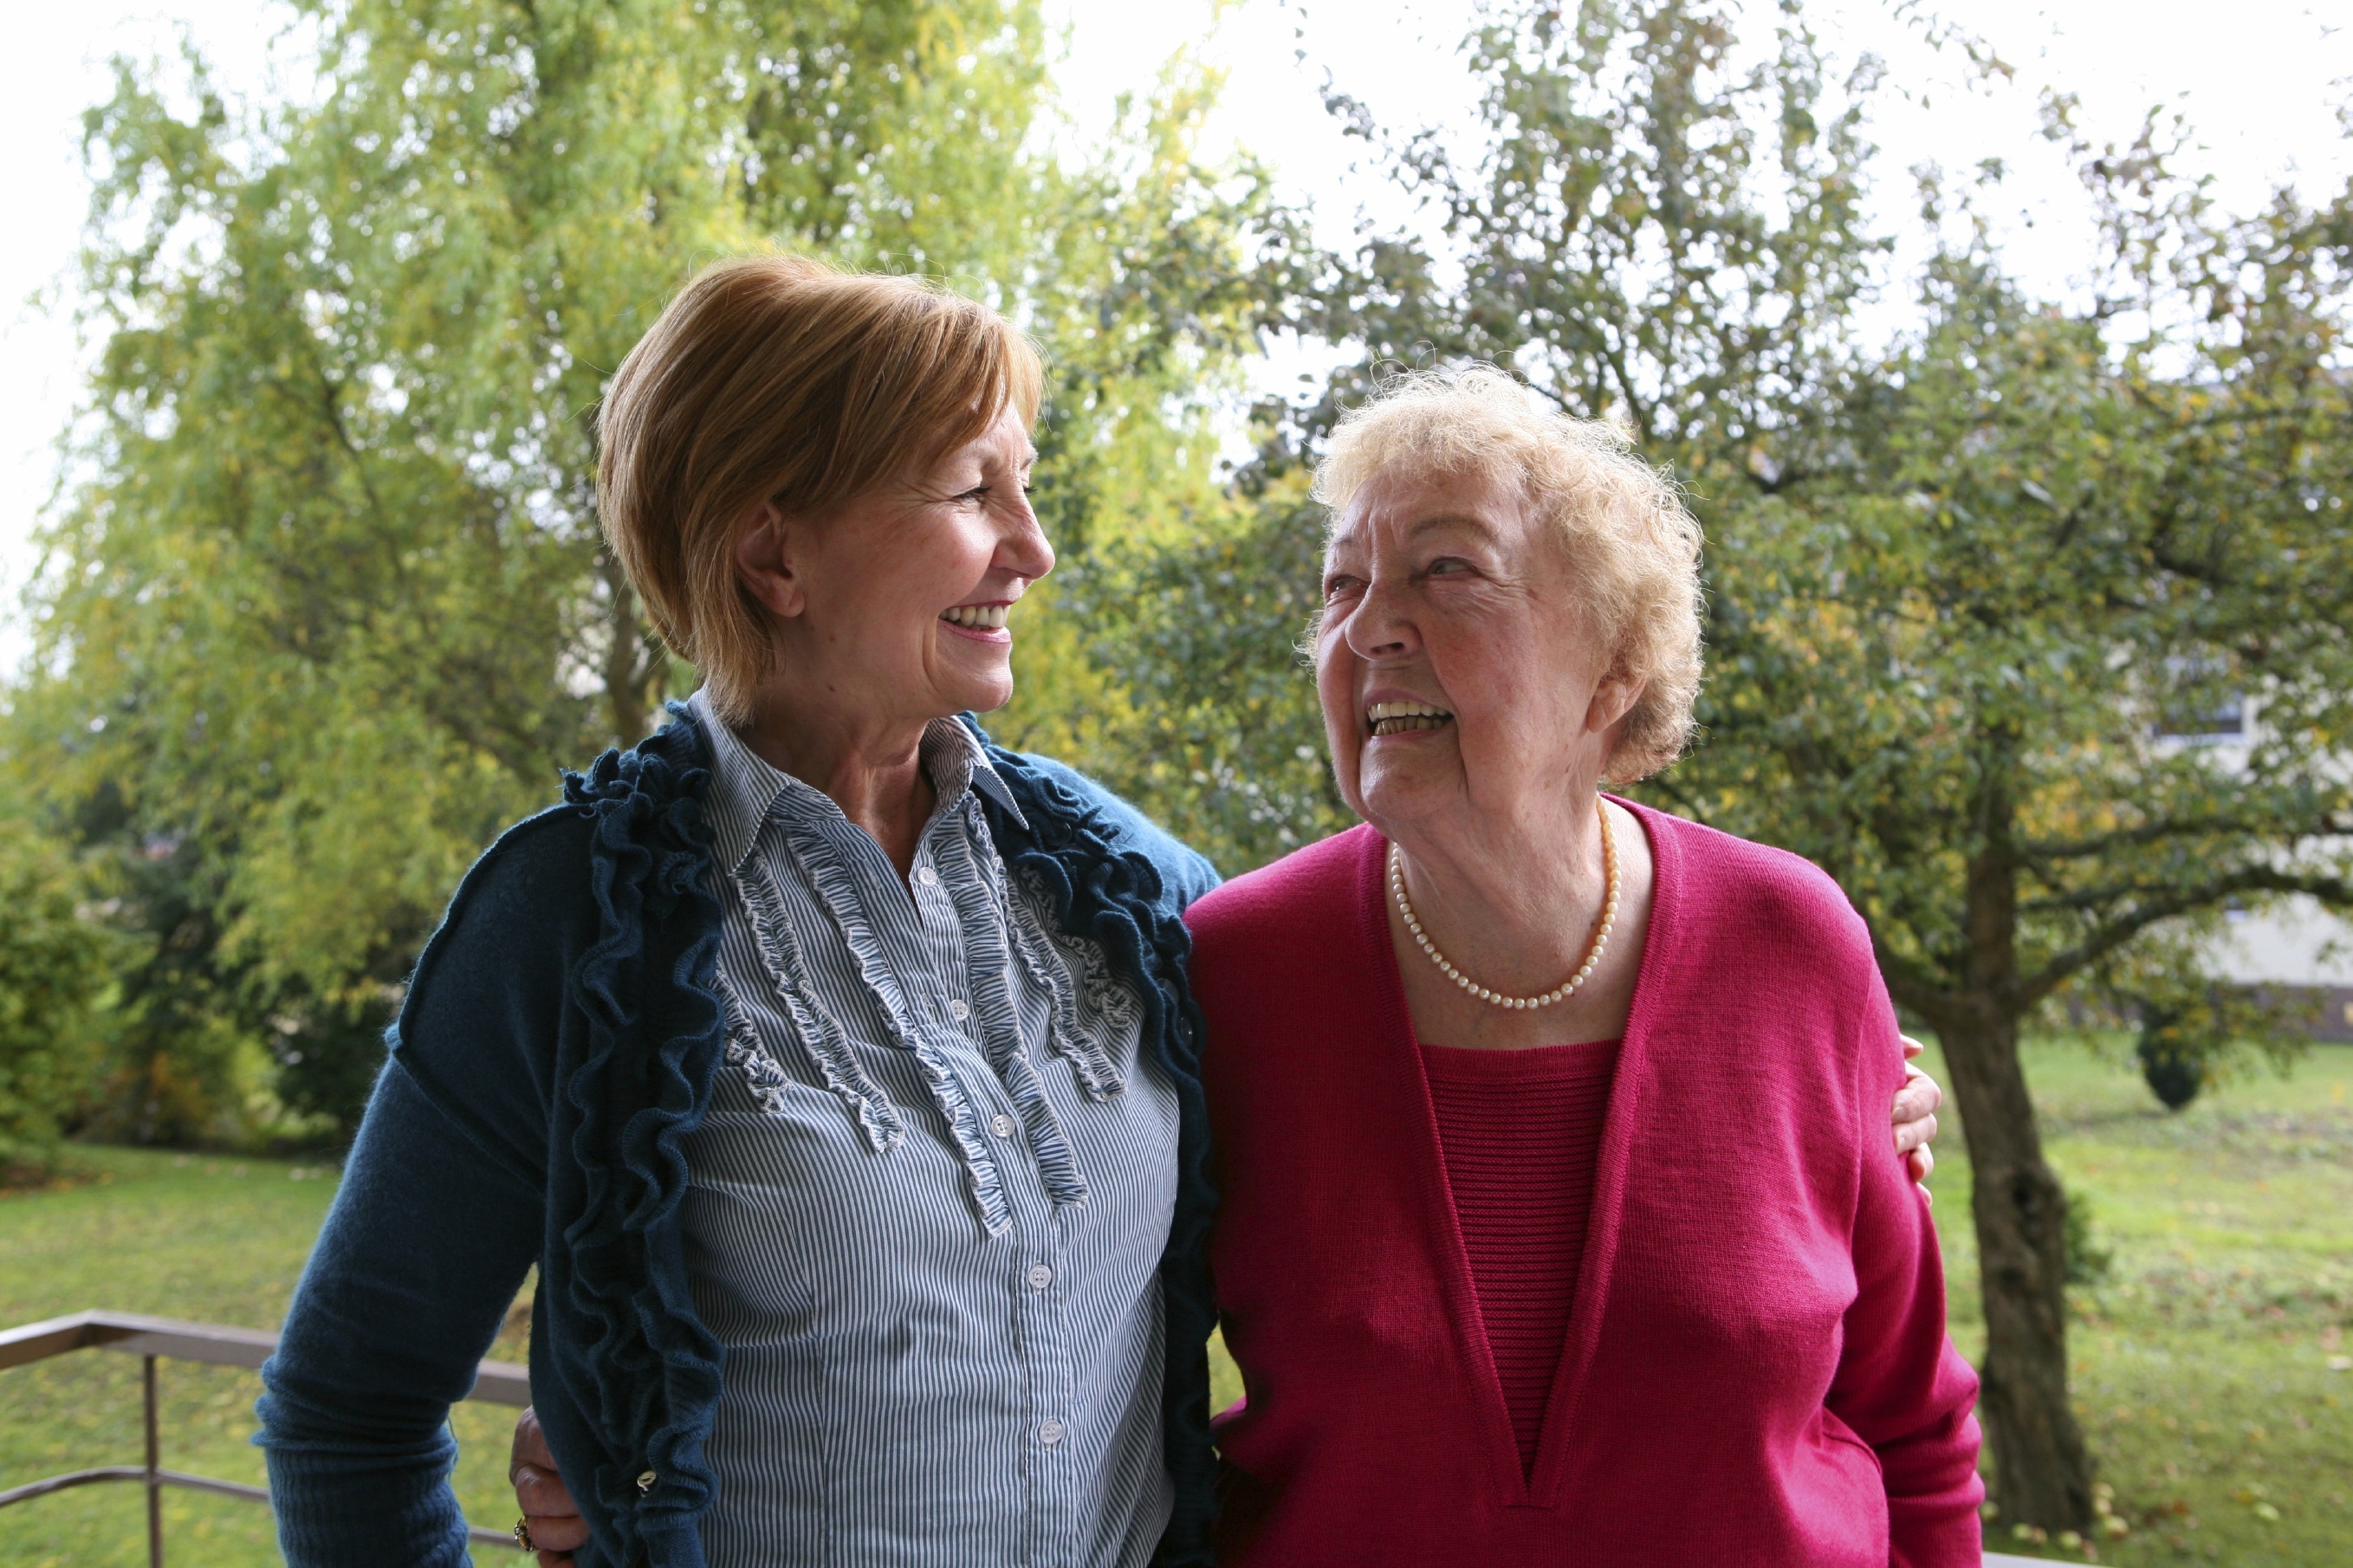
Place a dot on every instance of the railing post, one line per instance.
(154, 1468)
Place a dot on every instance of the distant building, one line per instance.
(2297, 945)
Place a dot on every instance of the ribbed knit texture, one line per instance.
(1520, 1132)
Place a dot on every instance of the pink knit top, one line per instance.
(1520, 1132)
(1753, 1370)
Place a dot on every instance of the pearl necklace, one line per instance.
(1560, 993)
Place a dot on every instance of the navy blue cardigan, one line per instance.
(558, 1041)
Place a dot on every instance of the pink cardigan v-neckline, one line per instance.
(1755, 1367)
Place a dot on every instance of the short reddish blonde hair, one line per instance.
(779, 378)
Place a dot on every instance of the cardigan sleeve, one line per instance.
(437, 1220)
(1901, 1386)
(1186, 873)
(427, 1244)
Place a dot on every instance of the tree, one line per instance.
(1962, 589)
(330, 606)
(1951, 641)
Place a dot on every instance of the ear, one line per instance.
(765, 561)
(1612, 700)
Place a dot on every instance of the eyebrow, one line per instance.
(1421, 526)
(1462, 519)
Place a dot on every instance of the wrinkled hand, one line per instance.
(556, 1528)
(1916, 1118)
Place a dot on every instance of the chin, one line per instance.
(983, 697)
(1397, 788)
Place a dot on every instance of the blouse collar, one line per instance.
(749, 789)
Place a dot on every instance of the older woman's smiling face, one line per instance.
(1456, 666)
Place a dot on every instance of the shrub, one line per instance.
(54, 964)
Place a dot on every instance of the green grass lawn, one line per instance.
(2203, 1364)
(214, 1238)
(2213, 1368)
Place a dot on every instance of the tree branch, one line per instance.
(2113, 935)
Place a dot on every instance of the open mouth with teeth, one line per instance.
(1396, 718)
(977, 618)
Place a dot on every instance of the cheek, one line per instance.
(1335, 675)
(1335, 690)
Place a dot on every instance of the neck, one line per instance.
(873, 769)
(1518, 889)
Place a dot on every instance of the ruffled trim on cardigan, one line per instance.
(1090, 1062)
(988, 971)
(642, 1085)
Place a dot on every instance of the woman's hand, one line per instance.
(1916, 1120)
(554, 1525)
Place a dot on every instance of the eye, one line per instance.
(1340, 584)
(1446, 565)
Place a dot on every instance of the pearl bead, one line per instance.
(1606, 923)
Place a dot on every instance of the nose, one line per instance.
(1379, 627)
(1023, 549)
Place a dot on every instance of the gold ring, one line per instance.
(522, 1534)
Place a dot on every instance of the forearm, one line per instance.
(427, 1244)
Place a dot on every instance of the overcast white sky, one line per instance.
(2260, 79)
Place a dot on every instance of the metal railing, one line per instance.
(151, 1339)
(495, 1383)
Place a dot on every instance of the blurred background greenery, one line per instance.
(321, 603)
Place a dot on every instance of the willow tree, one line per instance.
(328, 604)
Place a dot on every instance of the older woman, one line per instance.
(835, 1066)
(1489, 1306)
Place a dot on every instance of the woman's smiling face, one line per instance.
(895, 609)
(1456, 667)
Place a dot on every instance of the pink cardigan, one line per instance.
(1757, 1370)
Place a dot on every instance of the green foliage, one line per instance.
(2192, 1033)
(53, 962)
(2089, 1258)
(1223, 735)
(330, 607)
(1662, 228)
(1948, 647)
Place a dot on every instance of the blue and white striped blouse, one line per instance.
(927, 1206)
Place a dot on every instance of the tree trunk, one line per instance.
(626, 676)
(2041, 1473)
